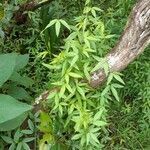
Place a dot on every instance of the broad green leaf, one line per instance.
(12, 124)
(21, 61)
(25, 81)
(7, 65)
(57, 27)
(19, 93)
(10, 108)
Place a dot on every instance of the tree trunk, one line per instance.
(133, 41)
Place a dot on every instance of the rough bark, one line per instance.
(133, 41)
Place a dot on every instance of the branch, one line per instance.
(38, 5)
(20, 17)
(134, 39)
(131, 44)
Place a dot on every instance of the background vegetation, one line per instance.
(57, 46)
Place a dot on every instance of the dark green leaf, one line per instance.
(11, 108)
(7, 65)
(21, 61)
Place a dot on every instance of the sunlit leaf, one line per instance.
(57, 27)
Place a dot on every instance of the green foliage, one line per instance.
(20, 140)
(80, 110)
(67, 41)
(10, 64)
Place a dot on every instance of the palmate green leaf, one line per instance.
(11, 108)
(7, 65)
(118, 78)
(50, 24)
(65, 24)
